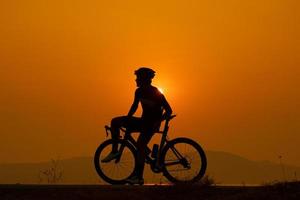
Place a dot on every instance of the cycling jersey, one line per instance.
(153, 102)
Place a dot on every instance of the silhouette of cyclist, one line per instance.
(155, 109)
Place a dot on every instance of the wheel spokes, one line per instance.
(118, 169)
(182, 161)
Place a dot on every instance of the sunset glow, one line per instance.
(229, 69)
(161, 90)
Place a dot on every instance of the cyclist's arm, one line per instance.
(167, 108)
(134, 105)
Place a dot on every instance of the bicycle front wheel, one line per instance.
(183, 160)
(117, 170)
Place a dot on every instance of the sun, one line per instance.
(161, 90)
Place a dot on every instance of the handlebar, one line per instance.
(171, 117)
(107, 128)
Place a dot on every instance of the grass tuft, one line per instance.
(186, 187)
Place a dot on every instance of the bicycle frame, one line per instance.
(164, 140)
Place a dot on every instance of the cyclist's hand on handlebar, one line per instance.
(165, 116)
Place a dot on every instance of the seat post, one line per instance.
(164, 135)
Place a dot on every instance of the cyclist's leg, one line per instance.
(116, 124)
(132, 123)
(143, 139)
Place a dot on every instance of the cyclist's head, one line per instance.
(144, 76)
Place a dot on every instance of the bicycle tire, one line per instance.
(99, 165)
(198, 149)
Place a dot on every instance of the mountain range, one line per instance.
(223, 167)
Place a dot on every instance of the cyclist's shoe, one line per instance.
(110, 157)
(135, 180)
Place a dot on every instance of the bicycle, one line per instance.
(176, 158)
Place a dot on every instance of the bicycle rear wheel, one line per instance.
(118, 170)
(183, 160)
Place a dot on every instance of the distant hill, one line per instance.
(224, 167)
(228, 168)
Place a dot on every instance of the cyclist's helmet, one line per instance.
(145, 73)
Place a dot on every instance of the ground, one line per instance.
(158, 192)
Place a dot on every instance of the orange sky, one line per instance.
(230, 70)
